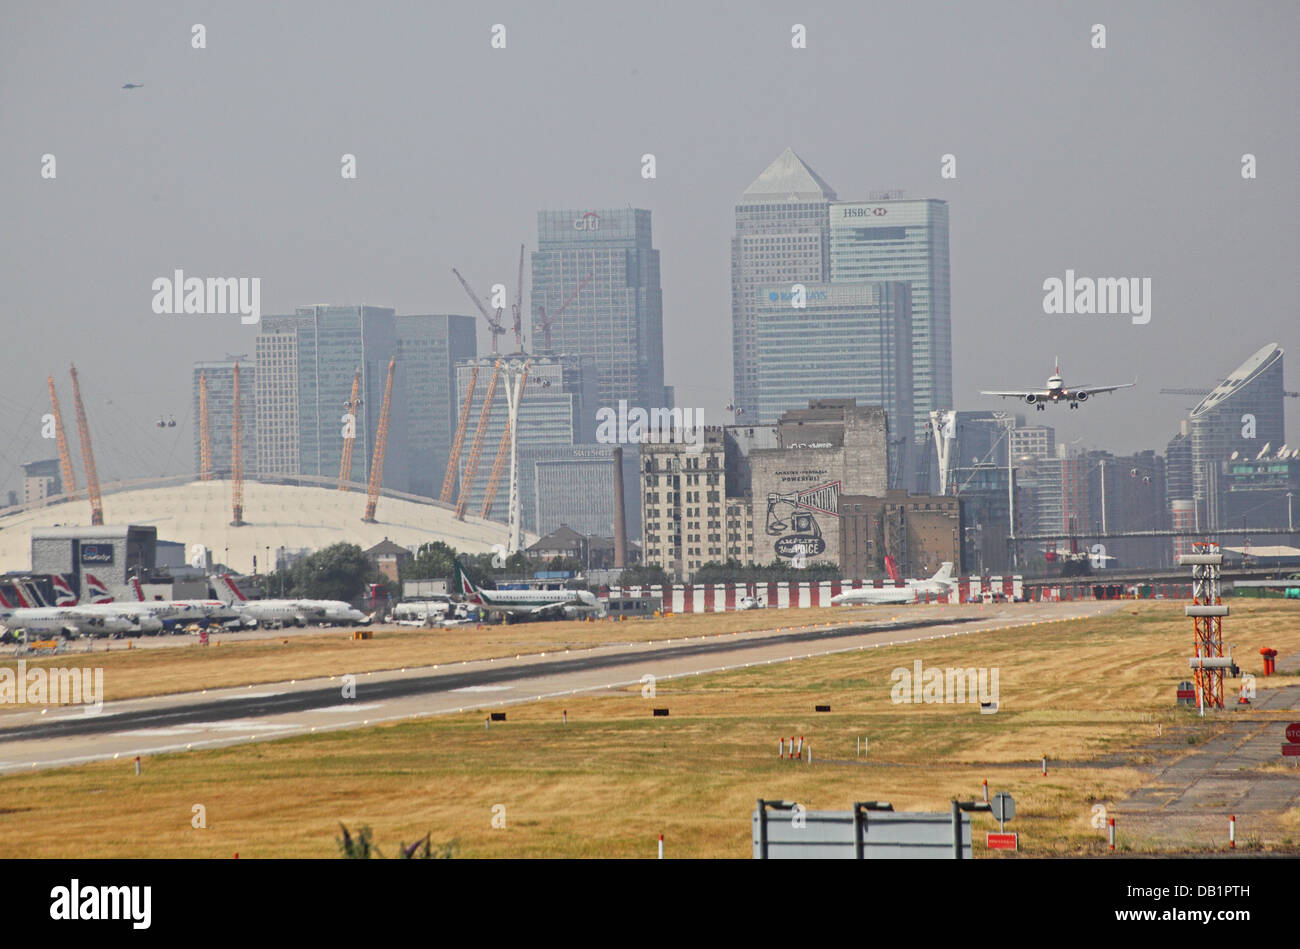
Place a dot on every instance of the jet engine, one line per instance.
(1081, 395)
(1030, 399)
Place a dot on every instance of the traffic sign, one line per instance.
(1004, 806)
(1293, 732)
(996, 841)
(1291, 751)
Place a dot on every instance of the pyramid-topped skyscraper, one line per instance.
(788, 179)
(874, 274)
(782, 238)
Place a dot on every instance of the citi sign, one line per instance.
(588, 222)
(865, 212)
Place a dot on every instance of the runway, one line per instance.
(60, 736)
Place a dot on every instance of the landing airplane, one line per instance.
(1056, 391)
(526, 602)
(939, 585)
(133, 85)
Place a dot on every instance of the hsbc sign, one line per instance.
(865, 212)
(588, 222)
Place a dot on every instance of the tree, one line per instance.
(431, 562)
(339, 572)
(644, 576)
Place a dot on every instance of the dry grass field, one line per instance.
(1085, 693)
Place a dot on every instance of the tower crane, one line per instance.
(494, 323)
(546, 323)
(350, 407)
(87, 455)
(518, 308)
(381, 445)
(65, 456)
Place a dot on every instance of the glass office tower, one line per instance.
(899, 239)
(616, 319)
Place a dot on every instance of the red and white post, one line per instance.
(1232, 831)
(1110, 829)
(661, 846)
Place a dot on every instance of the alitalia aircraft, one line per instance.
(526, 602)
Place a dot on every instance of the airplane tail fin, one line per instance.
(4, 601)
(137, 589)
(97, 592)
(227, 590)
(463, 583)
(1058, 364)
(891, 567)
(33, 594)
(63, 595)
(945, 572)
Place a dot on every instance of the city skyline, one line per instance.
(1033, 197)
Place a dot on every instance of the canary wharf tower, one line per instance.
(782, 238)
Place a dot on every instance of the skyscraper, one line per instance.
(1242, 414)
(617, 318)
(312, 358)
(900, 239)
(791, 228)
(848, 341)
(219, 378)
(781, 238)
(428, 349)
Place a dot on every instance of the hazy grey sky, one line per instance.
(1115, 162)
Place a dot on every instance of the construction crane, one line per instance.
(65, 456)
(476, 447)
(518, 308)
(87, 455)
(205, 436)
(381, 444)
(349, 436)
(449, 479)
(546, 323)
(494, 323)
(236, 460)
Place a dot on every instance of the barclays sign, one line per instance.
(786, 296)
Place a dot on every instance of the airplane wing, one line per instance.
(1015, 395)
(1096, 390)
(549, 606)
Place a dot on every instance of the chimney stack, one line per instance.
(620, 513)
